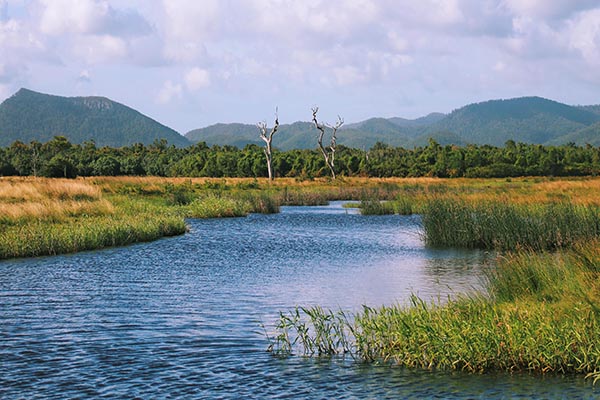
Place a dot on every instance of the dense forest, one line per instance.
(60, 158)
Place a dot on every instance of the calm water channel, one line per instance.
(180, 317)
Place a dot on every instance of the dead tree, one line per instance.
(328, 154)
(268, 138)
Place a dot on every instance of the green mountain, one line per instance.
(525, 119)
(423, 121)
(594, 108)
(380, 125)
(298, 135)
(303, 135)
(588, 135)
(29, 115)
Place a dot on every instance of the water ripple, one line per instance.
(180, 317)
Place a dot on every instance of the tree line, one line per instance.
(60, 158)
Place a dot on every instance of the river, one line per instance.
(180, 317)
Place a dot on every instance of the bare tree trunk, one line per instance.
(328, 155)
(268, 138)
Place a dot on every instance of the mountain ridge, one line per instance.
(529, 119)
(28, 115)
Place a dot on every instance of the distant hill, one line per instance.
(423, 121)
(525, 119)
(302, 135)
(594, 108)
(588, 135)
(29, 115)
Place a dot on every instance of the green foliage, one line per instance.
(106, 166)
(160, 159)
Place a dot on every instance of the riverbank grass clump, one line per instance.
(549, 323)
(40, 238)
(504, 226)
(400, 206)
(54, 216)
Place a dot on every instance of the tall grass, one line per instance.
(212, 206)
(541, 314)
(402, 205)
(42, 238)
(24, 201)
(505, 226)
(53, 216)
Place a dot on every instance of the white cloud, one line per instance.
(187, 26)
(584, 35)
(100, 49)
(89, 17)
(169, 92)
(180, 49)
(196, 79)
(84, 76)
(348, 75)
(290, 17)
(544, 9)
(499, 66)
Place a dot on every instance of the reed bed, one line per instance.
(53, 216)
(401, 206)
(505, 226)
(38, 201)
(41, 238)
(541, 314)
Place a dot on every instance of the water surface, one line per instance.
(180, 317)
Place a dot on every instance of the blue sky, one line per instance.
(189, 64)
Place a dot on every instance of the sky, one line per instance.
(190, 64)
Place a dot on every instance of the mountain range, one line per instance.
(28, 115)
(524, 119)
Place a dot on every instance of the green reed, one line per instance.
(496, 225)
(43, 238)
(235, 205)
(541, 313)
(401, 205)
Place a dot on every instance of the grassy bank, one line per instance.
(541, 314)
(54, 216)
(41, 216)
(49, 216)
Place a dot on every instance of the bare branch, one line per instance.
(262, 126)
(268, 139)
(329, 156)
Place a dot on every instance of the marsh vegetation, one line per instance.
(539, 312)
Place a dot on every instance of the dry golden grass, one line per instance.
(31, 189)
(515, 190)
(39, 198)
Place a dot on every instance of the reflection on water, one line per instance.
(180, 317)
